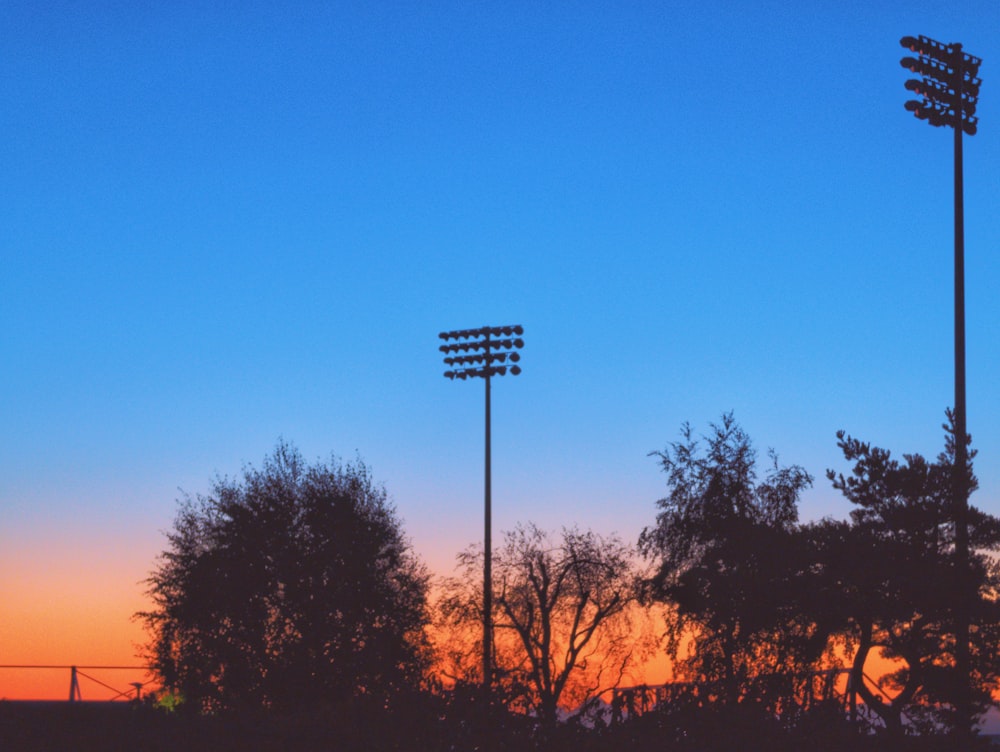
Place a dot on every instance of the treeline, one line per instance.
(290, 598)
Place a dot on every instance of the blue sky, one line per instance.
(224, 225)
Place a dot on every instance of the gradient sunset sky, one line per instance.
(226, 223)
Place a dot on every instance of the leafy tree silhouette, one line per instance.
(892, 575)
(565, 625)
(290, 586)
(729, 566)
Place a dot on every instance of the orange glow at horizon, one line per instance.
(61, 613)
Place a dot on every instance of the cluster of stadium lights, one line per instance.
(949, 84)
(492, 348)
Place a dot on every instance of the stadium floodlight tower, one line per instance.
(949, 87)
(485, 352)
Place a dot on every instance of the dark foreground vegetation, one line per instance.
(290, 613)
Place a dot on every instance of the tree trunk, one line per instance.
(891, 716)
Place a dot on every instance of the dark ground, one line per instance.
(123, 727)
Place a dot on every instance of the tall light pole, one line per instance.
(949, 86)
(491, 351)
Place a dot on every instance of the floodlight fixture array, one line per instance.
(494, 352)
(949, 83)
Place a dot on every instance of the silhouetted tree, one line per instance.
(893, 575)
(290, 586)
(730, 567)
(565, 625)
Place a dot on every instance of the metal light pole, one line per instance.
(493, 352)
(949, 86)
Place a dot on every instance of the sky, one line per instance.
(228, 224)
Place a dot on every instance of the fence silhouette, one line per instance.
(827, 687)
(78, 673)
